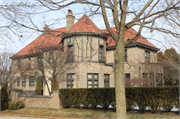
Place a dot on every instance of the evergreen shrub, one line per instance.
(15, 105)
(4, 98)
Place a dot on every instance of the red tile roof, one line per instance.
(42, 41)
(129, 34)
(84, 25)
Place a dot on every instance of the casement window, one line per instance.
(23, 81)
(92, 81)
(18, 81)
(70, 80)
(18, 63)
(127, 76)
(144, 75)
(50, 57)
(29, 62)
(31, 80)
(151, 75)
(70, 53)
(106, 80)
(147, 56)
(125, 55)
(159, 79)
(101, 53)
(40, 62)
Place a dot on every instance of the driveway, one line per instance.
(16, 117)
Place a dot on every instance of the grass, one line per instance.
(79, 113)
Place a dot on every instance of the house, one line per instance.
(91, 59)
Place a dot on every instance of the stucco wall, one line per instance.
(52, 101)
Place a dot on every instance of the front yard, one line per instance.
(81, 113)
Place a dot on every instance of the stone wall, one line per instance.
(38, 101)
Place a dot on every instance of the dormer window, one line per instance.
(147, 56)
(70, 52)
(50, 57)
(101, 53)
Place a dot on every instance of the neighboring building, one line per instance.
(92, 52)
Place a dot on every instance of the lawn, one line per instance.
(81, 113)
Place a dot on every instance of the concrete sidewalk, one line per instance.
(16, 117)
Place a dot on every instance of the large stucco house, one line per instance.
(92, 53)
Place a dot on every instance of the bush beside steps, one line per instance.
(15, 105)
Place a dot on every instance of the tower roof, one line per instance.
(84, 25)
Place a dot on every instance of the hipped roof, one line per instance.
(84, 24)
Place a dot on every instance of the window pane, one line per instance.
(89, 86)
(107, 84)
(72, 82)
(95, 82)
(31, 83)
(73, 76)
(89, 76)
(95, 86)
(127, 76)
(95, 76)
(104, 84)
(144, 75)
(89, 82)
(69, 76)
(68, 82)
(72, 86)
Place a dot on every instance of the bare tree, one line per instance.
(49, 62)
(125, 14)
(5, 67)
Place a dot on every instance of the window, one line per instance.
(29, 62)
(23, 81)
(144, 75)
(70, 53)
(50, 57)
(151, 75)
(70, 80)
(106, 80)
(18, 81)
(127, 76)
(40, 62)
(18, 63)
(159, 79)
(125, 56)
(92, 81)
(31, 81)
(147, 56)
(101, 53)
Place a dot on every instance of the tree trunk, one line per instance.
(119, 79)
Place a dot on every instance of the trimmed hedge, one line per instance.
(154, 97)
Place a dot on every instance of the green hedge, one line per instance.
(154, 97)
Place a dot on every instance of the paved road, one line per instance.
(16, 117)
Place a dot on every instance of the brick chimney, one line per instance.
(46, 29)
(69, 20)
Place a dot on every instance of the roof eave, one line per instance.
(136, 44)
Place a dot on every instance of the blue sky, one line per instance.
(57, 19)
